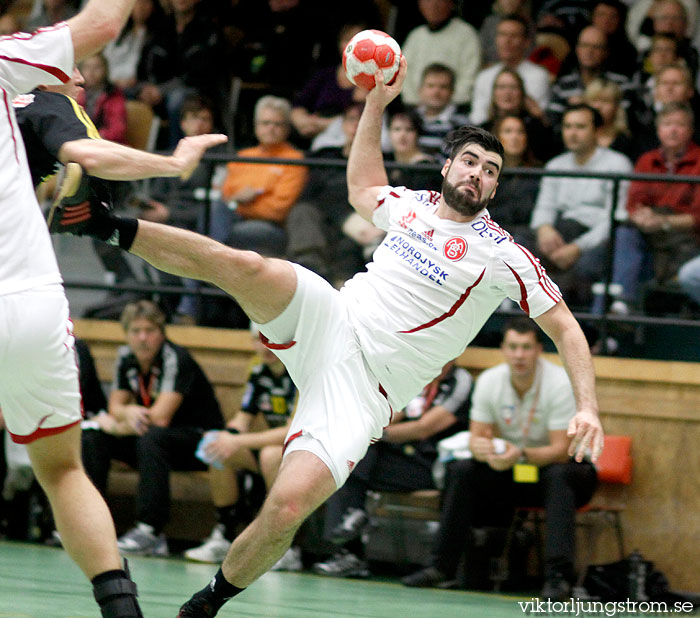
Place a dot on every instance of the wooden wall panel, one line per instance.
(655, 402)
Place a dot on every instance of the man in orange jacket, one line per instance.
(257, 196)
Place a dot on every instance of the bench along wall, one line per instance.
(657, 403)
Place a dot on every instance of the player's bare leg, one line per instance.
(262, 286)
(82, 517)
(302, 485)
(83, 520)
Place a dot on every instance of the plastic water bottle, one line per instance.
(636, 577)
(201, 452)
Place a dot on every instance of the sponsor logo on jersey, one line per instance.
(416, 259)
(426, 197)
(455, 248)
(351, 465)
(407, 219)
(429, 234)
(422, 237)
(22, 100)
(487, 228)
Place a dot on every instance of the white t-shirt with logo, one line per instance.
(27, 259)
(432, 285)
(495, 401)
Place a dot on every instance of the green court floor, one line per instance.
(42, 582)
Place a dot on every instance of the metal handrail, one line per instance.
(615, 177)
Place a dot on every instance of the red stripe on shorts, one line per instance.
(276, 346)
(294, 436)
(42, 432)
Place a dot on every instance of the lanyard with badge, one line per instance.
(525, 472)
(145, 391)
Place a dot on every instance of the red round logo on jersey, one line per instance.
(455, 248)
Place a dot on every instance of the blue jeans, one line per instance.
(633, 262)
(264, 237)
(689, 278)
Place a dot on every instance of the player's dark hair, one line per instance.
(585, 107)
(522, 326)
(458, 138)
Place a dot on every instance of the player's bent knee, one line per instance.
(251, 263)
(285, 513)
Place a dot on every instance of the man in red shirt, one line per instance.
(661, 237)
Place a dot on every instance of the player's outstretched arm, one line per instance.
(585, 428)
(97, 24)
(113, 161)
(365, 171)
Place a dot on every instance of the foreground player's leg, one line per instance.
(302, 485)
(83, 520)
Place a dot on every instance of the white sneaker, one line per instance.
(291, 561)
(141, 540)
(214, 548)
(619, 307)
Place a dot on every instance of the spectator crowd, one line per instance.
(599, 86)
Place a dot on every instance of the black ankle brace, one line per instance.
(116, 595)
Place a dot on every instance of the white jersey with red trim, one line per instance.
(432, 285)
(27, 259)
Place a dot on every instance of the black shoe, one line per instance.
(74, 207)
(429, 577)
(556, 588)
(196, 608)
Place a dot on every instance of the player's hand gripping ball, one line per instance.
(367, 52)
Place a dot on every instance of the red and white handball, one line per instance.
(367, 52)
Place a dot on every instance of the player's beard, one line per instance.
(464, 203)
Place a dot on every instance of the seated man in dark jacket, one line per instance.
(160, 405)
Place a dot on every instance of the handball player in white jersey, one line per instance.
(361, 352)
(39, 392)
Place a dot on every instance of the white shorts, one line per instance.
(341, 408)
(39, 391)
